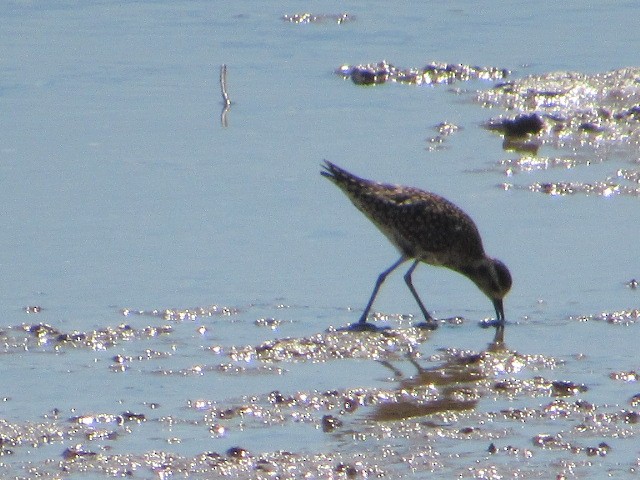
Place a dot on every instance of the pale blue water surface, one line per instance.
(121, 189)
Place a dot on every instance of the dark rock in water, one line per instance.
(71, 337)
(133, 417)
(519, 126)
(631, 417)
(277, 398)
(349, 470)
(362, 76)
(78, 451)
(330, 423)
(41, 330)
(625, 376)
(601, 450)
(350, 405)
(545, 440)
(590, 127)
(237, 452)
(564, 388)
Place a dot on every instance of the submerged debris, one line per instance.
(299, 18)
(108, 418)
(631, 376)
(179, 315)
(539, 386)
(607, 188)
(43, 335)
(272, 323)
(77, 451)
(534, 163)
(236, 462)
(621, 317)
(604, 189)
(433, 73)
(223, 368)
(444, 130)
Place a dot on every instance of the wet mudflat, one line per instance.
(176, 273)
(331, 404)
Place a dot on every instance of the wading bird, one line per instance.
(428, 228)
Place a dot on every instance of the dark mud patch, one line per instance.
(619, 317)
(591, 118)
(184, 314)
(575, 110)
(594, 118)
(305, 18)
(46, 337)
(431, 74)
(444, 130)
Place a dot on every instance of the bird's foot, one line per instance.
(498, 340)
(430, 324)
(362, 327)
(491, 323)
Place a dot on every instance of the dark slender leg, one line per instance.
(430, 322)
(499, 336)
(379, 282)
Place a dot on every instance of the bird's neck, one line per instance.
(473, 270)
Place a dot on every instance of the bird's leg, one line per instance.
(362, 323)
(430, 323)
(498, 339)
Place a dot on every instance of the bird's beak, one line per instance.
(499, 337)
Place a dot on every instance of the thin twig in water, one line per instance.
(225, 96)
(223, 85)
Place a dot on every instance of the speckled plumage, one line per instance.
(427, 228)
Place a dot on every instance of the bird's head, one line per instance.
(493, 278)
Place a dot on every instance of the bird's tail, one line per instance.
(339, 176)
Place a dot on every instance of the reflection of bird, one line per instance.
(425, 228)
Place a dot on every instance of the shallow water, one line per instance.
(189, 270)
